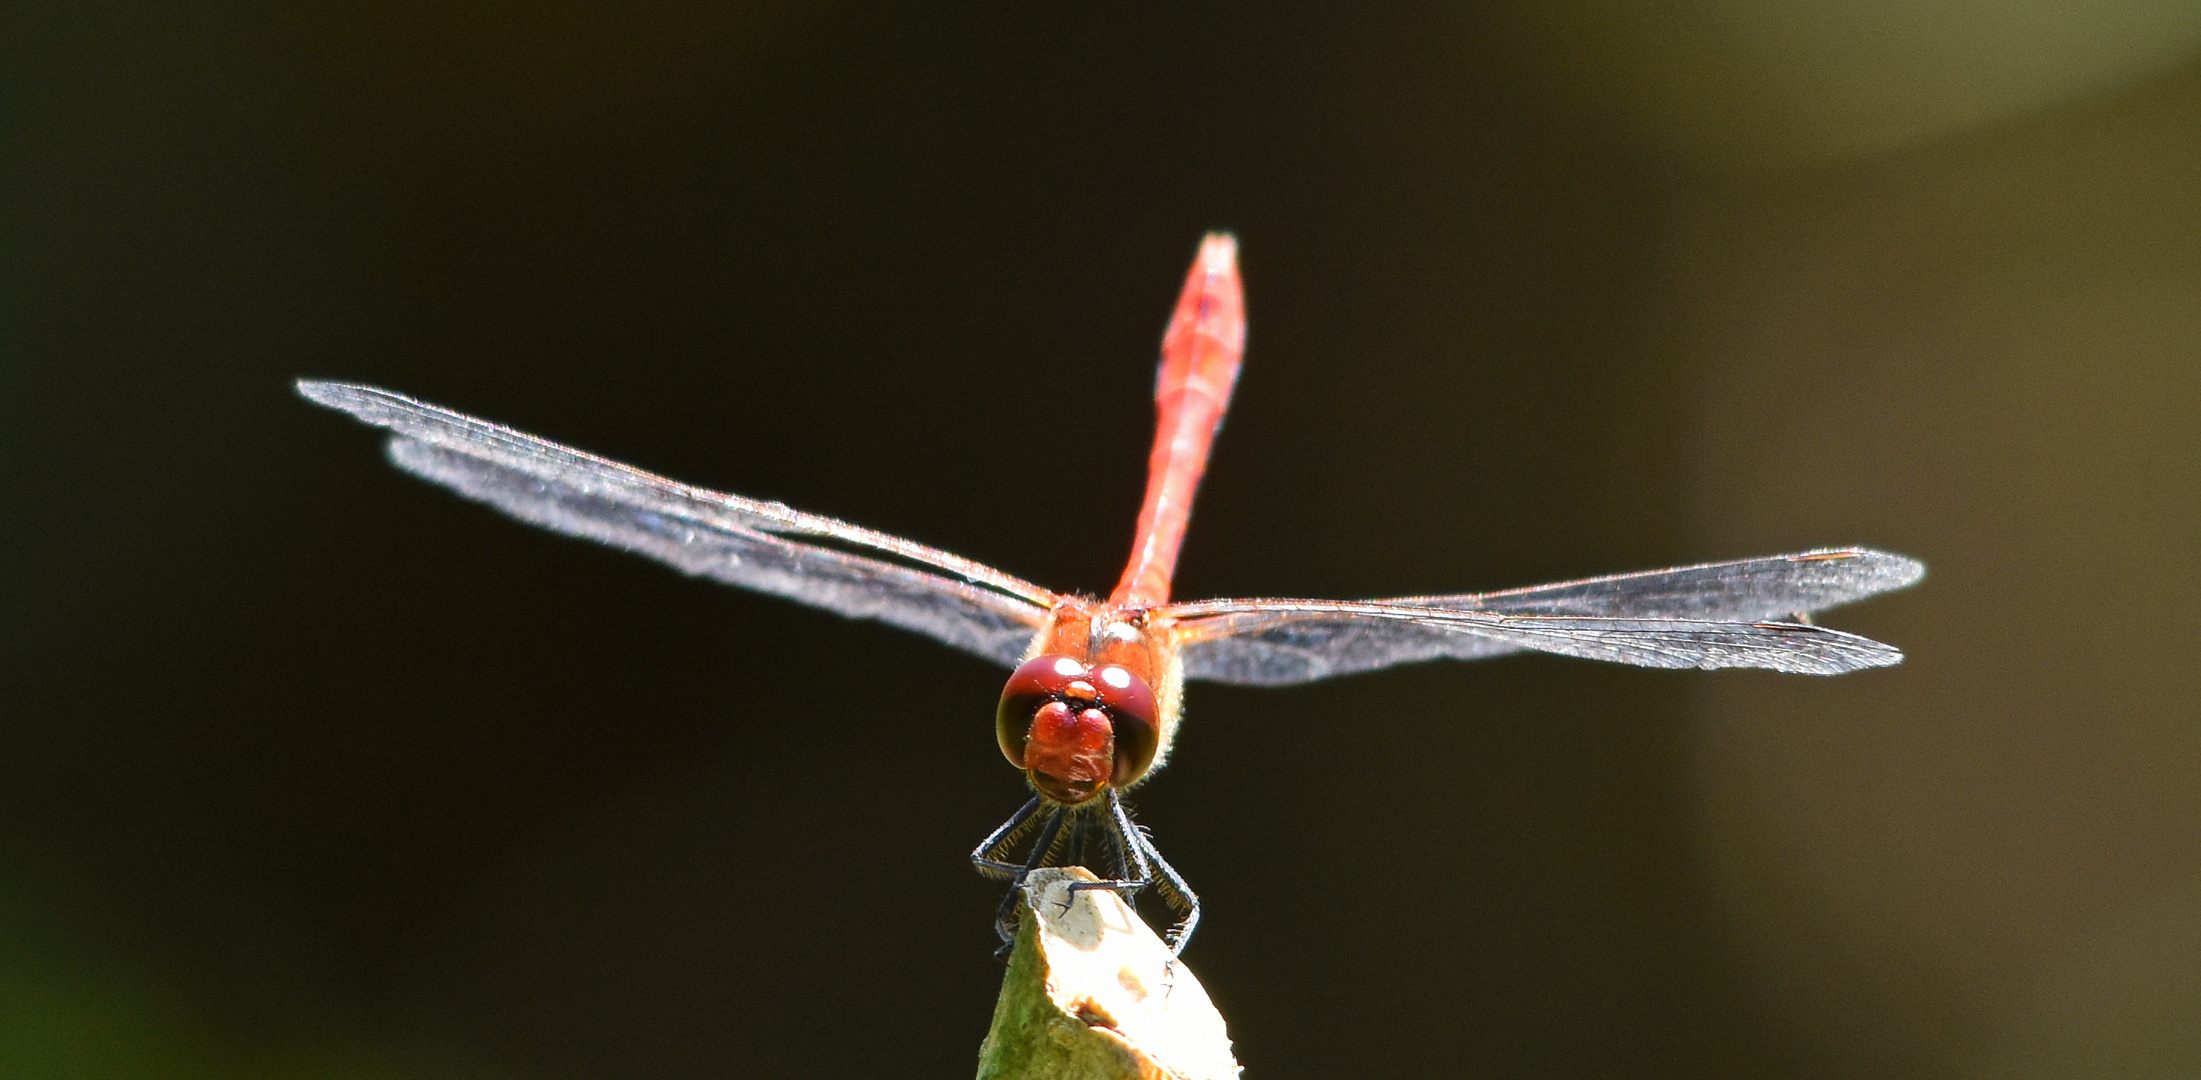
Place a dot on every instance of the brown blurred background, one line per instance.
(310, 770)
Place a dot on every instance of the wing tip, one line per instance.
(1889, 570)
(1904, 571)
(1863, 655)
(1841, 653)
(319, 391)
(1850, 663)
(1885, 656)
(354, 398)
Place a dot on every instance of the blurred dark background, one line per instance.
(308, 769)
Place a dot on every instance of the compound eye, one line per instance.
(1130, 704)
(1038, 681)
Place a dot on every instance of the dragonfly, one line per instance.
(1096, 689)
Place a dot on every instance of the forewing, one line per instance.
(744, 542)
(1714, 615)
(1745, 590)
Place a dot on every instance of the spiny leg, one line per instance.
(1143, 865)
(1004, 924)
(1131, 856)
(987, 856)
(1175, 893)
(1078, 829)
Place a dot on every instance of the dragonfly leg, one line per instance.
(1176, 894)
(1145, 866)
(988, 855)
(1130, 856)
(1005, 920)
(1079, 826)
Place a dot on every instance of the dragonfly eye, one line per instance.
(1130, 705)
(1040, 680)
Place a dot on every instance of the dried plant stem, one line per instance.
(1092, 994)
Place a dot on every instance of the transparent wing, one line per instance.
(1714, 615)
(1745, 590)
(744, 542)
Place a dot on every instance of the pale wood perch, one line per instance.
(1091, 994)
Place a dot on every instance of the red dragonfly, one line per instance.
(1098, 684)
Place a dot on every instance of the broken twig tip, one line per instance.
(1093, 994)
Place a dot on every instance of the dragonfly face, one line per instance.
(1076, 728)
(1083, 715)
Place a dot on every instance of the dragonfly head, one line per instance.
(1077, 729)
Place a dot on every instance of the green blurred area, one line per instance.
(78, 1001)
(1745, 84)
